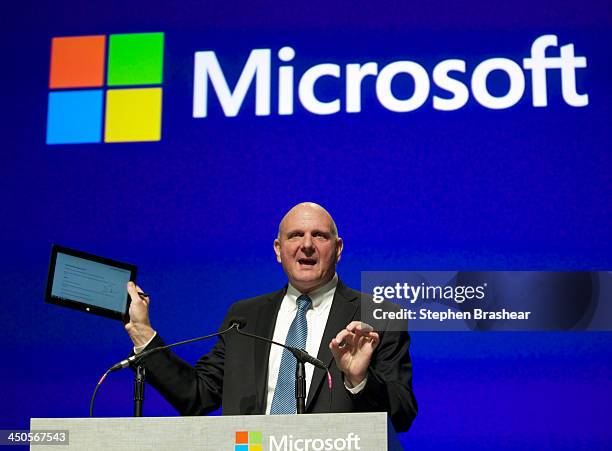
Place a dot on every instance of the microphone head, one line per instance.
(238, 321)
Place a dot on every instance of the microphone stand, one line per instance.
(300, 387)
(139, 388)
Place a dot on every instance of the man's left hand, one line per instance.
(352, 350)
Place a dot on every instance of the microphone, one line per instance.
(239, 322)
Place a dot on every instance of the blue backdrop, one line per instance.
(520, 188)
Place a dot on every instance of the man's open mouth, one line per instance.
(307, 261)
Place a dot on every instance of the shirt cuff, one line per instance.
(356, 389)
(139, 349)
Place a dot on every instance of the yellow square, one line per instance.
(255, 448)
(133, 115)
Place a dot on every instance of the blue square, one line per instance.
(75, 117)
(241, 447)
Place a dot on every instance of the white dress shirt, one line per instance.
(316, 318)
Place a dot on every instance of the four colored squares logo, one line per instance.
(105, 94)
(248, 441)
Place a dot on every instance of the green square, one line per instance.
(255, 438)
(135, 59)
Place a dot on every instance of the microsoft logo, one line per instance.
(81, 110)
(248, 441)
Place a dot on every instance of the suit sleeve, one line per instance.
(190, 390)
(389, 385)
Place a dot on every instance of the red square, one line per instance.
(242, 437)
(77, 62)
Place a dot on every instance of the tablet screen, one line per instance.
(88, 282)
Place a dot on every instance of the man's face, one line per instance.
(308, 248)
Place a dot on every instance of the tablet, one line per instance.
(89, 283)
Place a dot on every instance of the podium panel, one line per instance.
(311, 432)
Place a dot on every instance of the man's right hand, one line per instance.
(139, 328)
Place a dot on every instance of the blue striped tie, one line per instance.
(283, 401)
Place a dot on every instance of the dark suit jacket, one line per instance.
(234, 373)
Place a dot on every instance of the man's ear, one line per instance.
(277, 250)
(339, 247)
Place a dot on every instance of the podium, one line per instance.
(311, 432)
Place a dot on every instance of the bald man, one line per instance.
(371, 371)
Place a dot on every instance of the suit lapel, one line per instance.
(342, 312)
(264, 327)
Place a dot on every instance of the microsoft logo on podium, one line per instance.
(98, 95)
(248, 441)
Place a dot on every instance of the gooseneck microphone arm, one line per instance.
(139, 387)
(300, 354)
(138, 357)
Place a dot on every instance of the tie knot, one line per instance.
(304, 302)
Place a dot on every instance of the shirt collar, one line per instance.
(317, 296)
